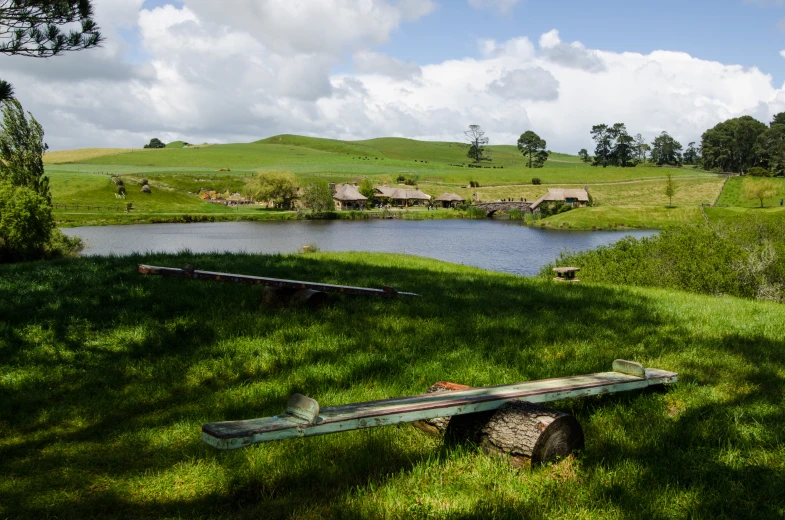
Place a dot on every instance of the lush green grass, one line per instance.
(106, 377)
(690, 191)
(627, 217)
(732, 194)
(723, 214)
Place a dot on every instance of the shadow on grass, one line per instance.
(109, 374)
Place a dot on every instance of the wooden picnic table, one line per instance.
(566, 274)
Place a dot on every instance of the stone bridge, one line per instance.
(492, 207)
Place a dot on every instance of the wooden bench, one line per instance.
(566, 274)
(303, 416)
(190, 273)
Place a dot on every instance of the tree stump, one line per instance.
(438, 425)
(523, 431)
(311, 298)
(278, 296)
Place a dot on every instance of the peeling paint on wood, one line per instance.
(193, 274)
(332, 419)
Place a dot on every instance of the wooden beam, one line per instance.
(192, 274)
(238, 434)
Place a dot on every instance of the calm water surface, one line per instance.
(498, 245)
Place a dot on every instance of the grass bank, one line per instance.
(623, 217)
(106, 377)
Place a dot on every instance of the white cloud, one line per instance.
(533, 83)
(368, 62)
(782, 53)
(210, 76)
(573, 55)
(306, 26)
(502, 6)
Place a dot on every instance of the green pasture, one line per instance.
(732, 195)
(382, 159)
(106, 377)
(177, 174)
(624, 217)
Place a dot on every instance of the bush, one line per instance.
(26, 222)
(475, 212)
(757, 171)
(400, 179)
(61, 245)
(744, 258)
(536, 181)
(554, 208)
(474, 184)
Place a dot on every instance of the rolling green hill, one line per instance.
(438, 167)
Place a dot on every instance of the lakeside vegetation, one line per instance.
(744, 256)
(108, 376)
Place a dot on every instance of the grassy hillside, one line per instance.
(439, 167)
(107, 377)
(85, 154)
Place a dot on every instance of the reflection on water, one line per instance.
(498, 245)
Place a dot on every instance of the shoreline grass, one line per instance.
(106, 377)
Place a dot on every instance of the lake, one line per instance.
(497, 245)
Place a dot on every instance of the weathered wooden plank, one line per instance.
(237, 434)
(193, 274)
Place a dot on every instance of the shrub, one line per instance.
(536, 180)
(26, 223)
(475, 212)
(400, 179)
(744, 258)
(757, 171)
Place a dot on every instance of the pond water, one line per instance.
(498, 245)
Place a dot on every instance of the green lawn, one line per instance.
(106, 377)
(732, 194)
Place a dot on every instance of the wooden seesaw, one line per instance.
(510, 421)
(275, 289)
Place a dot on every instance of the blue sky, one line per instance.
(241, 70)
(749, 33)
(729, 31)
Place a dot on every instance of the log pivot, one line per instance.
(524, 431)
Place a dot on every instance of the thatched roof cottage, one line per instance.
(401, 195)
(346, 196)
(578, 198)
(449, 199)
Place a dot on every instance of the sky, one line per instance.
(242, 70)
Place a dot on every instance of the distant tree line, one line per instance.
(745, 145)
(739, 145)
(615, 146)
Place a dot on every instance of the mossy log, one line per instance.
(438, 425)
